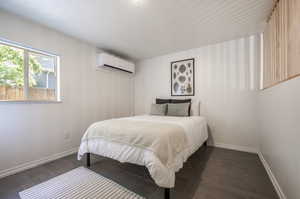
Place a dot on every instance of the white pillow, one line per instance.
(178, 109)
(158, 109)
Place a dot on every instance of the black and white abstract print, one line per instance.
(182, 77)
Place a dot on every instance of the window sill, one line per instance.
(32, 101)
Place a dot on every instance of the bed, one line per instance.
(160, 143)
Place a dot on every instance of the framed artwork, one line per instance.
(183, 77)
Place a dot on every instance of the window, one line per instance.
(27, 74)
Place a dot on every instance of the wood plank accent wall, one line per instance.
(282, 43)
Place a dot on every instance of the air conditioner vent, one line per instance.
(110, 61)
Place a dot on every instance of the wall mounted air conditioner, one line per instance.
(105, 60)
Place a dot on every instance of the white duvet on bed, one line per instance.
(195, 128)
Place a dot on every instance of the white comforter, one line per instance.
(195, 128)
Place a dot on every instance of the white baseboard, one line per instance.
(234, 147)
(272, 176)
(262, 159)
(35, 163)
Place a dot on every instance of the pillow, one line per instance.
(162, 101)
(178, 109)
(158, 109)
(177, 101)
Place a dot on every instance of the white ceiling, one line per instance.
(139, 29)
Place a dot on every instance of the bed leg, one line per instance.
(205, 144)
(167, 193)
(88, 159)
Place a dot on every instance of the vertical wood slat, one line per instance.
(269, 67)
(286, 38)
(267, 55)
(275, 47)
(294, 38)
(283, 43)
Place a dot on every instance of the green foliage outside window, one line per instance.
(12, 67)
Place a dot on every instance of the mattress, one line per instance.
(195, 128)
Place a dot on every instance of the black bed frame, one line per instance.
(167, 190)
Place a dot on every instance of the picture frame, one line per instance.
(183, 77)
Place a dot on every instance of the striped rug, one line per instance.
(80, 183)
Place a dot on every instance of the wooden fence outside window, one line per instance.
(8, 93)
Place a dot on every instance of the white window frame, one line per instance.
(28, 50)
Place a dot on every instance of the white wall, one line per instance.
(31, 131)
(226, 83)
(279, 122)
(226, 86)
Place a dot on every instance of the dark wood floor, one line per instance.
(210, 173)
